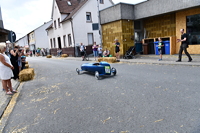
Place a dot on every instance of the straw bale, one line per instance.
(64, 55)
(108, 59)
(26, 74)
(49, 56)
(26, 65)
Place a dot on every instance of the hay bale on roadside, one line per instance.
(108, 59)
(49, 56)
(26, 74)
(26, 65)
(64, 55)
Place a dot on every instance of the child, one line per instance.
(160, 48)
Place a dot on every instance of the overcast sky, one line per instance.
(23, 16)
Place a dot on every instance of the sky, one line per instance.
(23, 16)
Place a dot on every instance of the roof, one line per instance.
(50, 26)
(75, 10)
(65, 8)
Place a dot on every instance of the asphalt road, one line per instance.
(141, 98)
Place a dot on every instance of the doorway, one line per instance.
(59, 43)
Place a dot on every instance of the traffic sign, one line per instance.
(12, 37)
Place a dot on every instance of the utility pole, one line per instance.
(99, 23)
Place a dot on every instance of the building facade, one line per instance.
(75, 22)
(152, 19)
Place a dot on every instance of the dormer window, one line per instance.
(101, 1)
(69, 3)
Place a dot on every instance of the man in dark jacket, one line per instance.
(184, 46)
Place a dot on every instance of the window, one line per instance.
(59, 22)
(51, 43)
(90, 39)
(64, 40)
(95, 26)
(88, 16)
(54, 42)
(193, 29)
(69, 40)
(69, 3)
(55, 24)
(101, 1)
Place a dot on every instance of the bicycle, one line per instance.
(86, 57)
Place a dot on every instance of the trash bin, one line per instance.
(138, 47)
(145, 48)
(156, 48)
(167, 47)
(151, 48)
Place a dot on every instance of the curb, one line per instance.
(3, 107)
(161, 63)
(9, 108)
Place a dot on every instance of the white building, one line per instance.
(75, 22)
(36, 39)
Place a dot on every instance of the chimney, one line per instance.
(1, 20)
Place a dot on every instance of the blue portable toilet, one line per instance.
(167, 47)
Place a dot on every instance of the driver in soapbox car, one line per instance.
(100, 69)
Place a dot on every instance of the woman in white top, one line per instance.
(6, 70)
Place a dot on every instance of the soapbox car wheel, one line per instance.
(78, 71)
(96, 74)
(114, 71)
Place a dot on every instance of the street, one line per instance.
(141, 98)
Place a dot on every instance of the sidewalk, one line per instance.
(5, 99)
(151, 59)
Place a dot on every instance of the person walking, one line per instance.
(82, 50)
(14, 62)
(160, 47)
(183, 46)
(6, 70)
(95, 52)
(117, 49)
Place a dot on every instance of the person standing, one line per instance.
(95, 52)
(183, 46)
(14, 62)
(82, 50)
(6, 70)
(117, 49)
(160, 48)
(100, 51)
(33, 52)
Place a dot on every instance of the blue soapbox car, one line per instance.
(99, 69)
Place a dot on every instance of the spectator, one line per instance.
(117, 49)
(14, 62)
(6, 70)
(59, 52)
(33, 52)
(95, 52)
(106, 53)
(82, 50)
(23, 58)
(100, 51)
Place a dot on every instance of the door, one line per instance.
(59, 43)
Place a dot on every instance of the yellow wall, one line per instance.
(160, 26)
(181, 24)
(122, 30)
